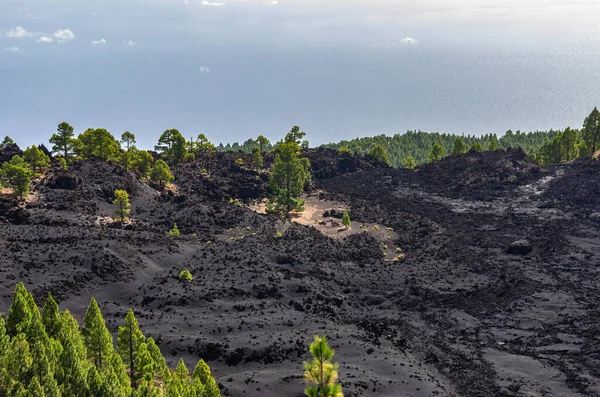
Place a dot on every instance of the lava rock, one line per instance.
(519, 247)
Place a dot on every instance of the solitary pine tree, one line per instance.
(346, 220)
(62, 140)
(128, 139)
(263, 143)
(123, 205)
(290, 174)
(320, 374)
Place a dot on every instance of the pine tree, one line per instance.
(263, 143)
(179, 382)
(35, 388)
(19, 314)
(95, 383)
(143, 162)
(129, 339)
(437, 153)
(174, 232)
(568, 143)
(257, 159)
(476, 147)
(63, 140)
(18, 362)
(493, 144)
(211, 389)
(123, 205)
(144, 365)
(346, 220)
(73, 370)
(409, 163)
(118, 381)
(16, 175)
(459, 146)
(378, 153)
(289, 175)
(36, 158)
(43, 368)
(4, 345)
(591, 132)
(98, 340)
(161, 173)
(202, 372)
(51, 317)
(5, 142)
(320, 374)
(128, 139)
(172, 146)
(198, 389)
(160, 365)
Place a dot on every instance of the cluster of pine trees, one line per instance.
(47, 354)
(547, 147)
(417, 146)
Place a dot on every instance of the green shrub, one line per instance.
(185, 275)
(175, 231)
(278, 235)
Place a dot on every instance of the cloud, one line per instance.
(98, 42)
(94, 14)
(18, 33)
(204, 69)
(13, 49)
(45, 39)
(63, 35)
(274, 2)
(212, 3)
(129, 43)
(408, 41)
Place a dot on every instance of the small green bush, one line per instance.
(185, 275)
(278, 235)
(175, 231)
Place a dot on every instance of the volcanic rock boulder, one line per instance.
(519, 247)
(65, 182)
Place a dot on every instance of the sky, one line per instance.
(339, 69)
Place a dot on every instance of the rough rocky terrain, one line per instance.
(497, 295)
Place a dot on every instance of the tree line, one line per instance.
(418, 147)
(47, 354)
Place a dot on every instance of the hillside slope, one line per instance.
(459, 316)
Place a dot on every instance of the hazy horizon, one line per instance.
(236, 69)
